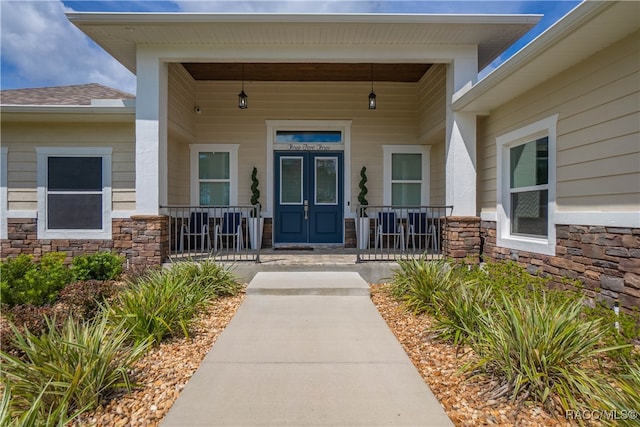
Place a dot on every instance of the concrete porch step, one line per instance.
(326, 283)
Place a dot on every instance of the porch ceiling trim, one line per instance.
(120, 33)
(588, 28)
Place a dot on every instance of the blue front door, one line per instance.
(308, 197)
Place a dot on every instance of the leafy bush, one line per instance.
(419, 281)
(540, 348)
(24, 282)
(85, 299)
(629, 330)
(71, 367)
(162, 303)
(35, 415)
(624, 397)
(98, 266)
(461, 308)
(213, 279)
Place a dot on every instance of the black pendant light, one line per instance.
(372, 95)
(242, 97)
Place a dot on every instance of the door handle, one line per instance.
(306, 209)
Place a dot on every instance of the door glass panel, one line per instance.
(406, 167)
(214, 165)
(214, 194)
(326, 180)
(291, 180)
(405, 194)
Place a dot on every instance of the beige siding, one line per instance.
(431, 125)
(181, 121)
(598, 139)
(22, 138)
(393, 122)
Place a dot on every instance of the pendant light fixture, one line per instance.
(242, 97)
(372, 95)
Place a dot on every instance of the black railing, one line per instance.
(225, 233)
(389, 233)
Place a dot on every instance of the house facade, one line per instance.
(539, 161)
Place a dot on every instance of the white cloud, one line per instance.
(40, 47)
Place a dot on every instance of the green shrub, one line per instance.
(461, 308)
(70, 367)
(624, 397)
(419, 281)
(211, 278)
(24, 282)
(162, 303)
(98, 266)
(629, 330)
(540, 348)
(36, 415)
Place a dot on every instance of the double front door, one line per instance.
(308, 197)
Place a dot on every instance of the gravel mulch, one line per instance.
(163, 372)
(465, 400)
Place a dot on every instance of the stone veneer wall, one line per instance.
(461, 238)
(143, 240)
(605, 259)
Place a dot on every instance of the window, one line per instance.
(3, 192)
(214, 174)
(406, 175)
(526, 188)
(74, 193)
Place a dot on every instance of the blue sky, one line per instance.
(40, 47)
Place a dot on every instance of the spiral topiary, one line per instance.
(255, 192)
(362, 197)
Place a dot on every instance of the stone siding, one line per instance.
(461, 240)
(605, 259)
(143, 240)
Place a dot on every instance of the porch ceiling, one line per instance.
(307, 72)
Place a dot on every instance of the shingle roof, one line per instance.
(61, 95)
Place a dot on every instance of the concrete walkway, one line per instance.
(307, 349)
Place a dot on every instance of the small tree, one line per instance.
(362, 196)
(255, 192)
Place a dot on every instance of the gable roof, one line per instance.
(589, 27)
(61, 95)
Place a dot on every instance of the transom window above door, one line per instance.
(214, 174)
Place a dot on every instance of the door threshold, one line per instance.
(285, 247)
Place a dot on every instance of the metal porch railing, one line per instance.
(389, 233)
(224, 233)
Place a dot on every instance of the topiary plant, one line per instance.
(255, 192)
(362, 196)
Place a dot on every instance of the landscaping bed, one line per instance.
(466, 402)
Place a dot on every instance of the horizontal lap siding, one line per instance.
(222, 122)
(431, 125)
(598, 148)
(22, 138)
(181, 119)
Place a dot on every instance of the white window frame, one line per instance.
(4, 151)
(544, 245)
(43, 153)
(315, 180)
(387, 174)
(232, 149)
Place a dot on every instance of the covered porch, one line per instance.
(283, 104)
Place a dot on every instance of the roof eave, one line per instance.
(490, 92)
(86, 113)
